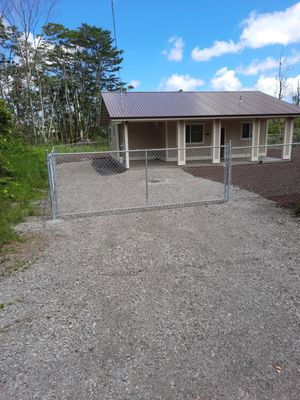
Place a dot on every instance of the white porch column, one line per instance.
(255, 139)
(266, 137)
(181, 142)
(216, 141)
(288, 138)
(126, 145)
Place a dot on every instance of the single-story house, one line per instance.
(183, 120)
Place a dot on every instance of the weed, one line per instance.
(23, 179)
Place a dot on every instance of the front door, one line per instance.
(222, 142)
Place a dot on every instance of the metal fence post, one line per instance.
(53, 173)
(227, 174)
(225, 171)
(229, 171)
(50, 181)
(146, 177)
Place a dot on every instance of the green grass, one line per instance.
(77, 148)
(23, 181)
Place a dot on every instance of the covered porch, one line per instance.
(191, 140)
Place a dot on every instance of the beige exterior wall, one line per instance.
(146, 135)
(155, 134)
(161, 134)
(114, 138)
(171, 140)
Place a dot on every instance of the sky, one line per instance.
(198, 44)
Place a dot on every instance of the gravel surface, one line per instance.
(82, 187)
(277, 181)
(193, 303)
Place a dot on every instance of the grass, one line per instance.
(23, 181)
(76, 148)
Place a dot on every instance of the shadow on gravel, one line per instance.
(107, 166)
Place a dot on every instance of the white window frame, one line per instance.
(195, 123)
(243, 123)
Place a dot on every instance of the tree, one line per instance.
(296, 94)
(282, 74)
(85, 63)
(54, 91)
(23, 17)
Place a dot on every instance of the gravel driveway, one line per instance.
(193, 303)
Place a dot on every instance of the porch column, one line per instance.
(181, 142)
(288, 138)
(216, 141)
(255, 139)
(263, 139)
(126, 145)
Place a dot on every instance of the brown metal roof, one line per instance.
(142, 105)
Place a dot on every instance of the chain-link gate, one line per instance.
(99, 182)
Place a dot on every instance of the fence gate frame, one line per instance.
(51, 160)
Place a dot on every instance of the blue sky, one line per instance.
(198, 45)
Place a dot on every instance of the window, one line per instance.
(194, 133)
(247, 130)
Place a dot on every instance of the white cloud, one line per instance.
(226, 79)
(218, 48)
(135, 83)
(269, 63)
(259, 30)
(177, 82)
(279, 27)
(293, 59)
(175, 51)
(293, 83)
(267, 84)
(270, 85)
(258, 66)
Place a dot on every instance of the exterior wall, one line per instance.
(171, 140)
(200, 154)
(263, 132)
(114, 138)
(146, 135)
(163, 134)
(190, 153)
(121, 138)
(233, 133)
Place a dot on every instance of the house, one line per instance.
(187, 120)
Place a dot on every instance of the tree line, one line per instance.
(52, 81)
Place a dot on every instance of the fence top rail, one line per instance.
(265, 146)
(142, 150)
(81, 143)
(173, 149)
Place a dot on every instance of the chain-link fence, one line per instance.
(97, 182)
(272, 171)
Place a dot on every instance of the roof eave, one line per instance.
(233, 116)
